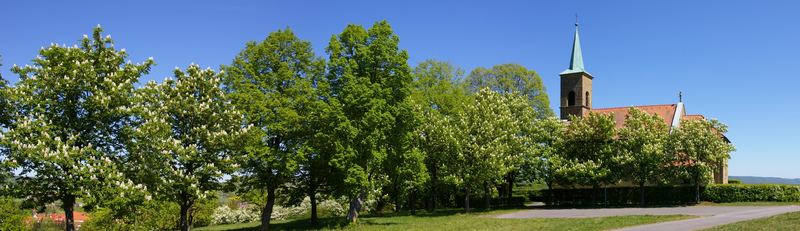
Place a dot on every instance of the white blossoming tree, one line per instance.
(184, 138)
(486, 128)
(642, 149)
(70, 107)
(698, 147)
(5, 114)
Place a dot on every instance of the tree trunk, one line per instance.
(466, 201)
(433, 195)
(355, 206)
(550, 192)
(487, 195)
(696, 191)
(184, 224)
(396, 190)
(641, 193)
(412, 202)
(312, 195)
(510, 186)
(68, 204)
(266, 212)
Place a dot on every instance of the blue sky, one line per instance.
(733, 60)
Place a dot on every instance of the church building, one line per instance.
(576, 100)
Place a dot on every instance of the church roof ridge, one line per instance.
(623, 107)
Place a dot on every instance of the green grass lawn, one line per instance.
(766, 203)
(450, 220)
(789, 221)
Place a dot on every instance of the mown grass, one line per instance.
(788, 221)
(763, 203)
(452, 220)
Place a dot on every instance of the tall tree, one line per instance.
(513, 78)
(486, 128)
(545, 159)
(5, 120)
(437, 95)
(271, 82)
(698, 147)
(642, 149)
(589, 151)
(185, 137)
(6, 109)
(369, 75)
(71, 105)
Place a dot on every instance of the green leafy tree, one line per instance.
(513, 78)
(185, 138)
(642, 151)
(589, 151)
(327, 131)
(271, 82)
(437, 95)
(545, 159)
(698, 147)
(486, 126)
(370, 77)
(71, 105)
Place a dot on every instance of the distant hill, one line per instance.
(765, 180)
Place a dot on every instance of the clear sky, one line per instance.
(733, 60)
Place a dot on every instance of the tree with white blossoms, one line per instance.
(641, 143)
(588, 151)
(485, 128)
(70, 107)
(697, 148)
(5, 119)
(185, 136)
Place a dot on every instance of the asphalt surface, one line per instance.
(710, 216)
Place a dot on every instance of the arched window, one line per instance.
(586, 100)
(571, 99)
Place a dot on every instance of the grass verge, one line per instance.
(766, 203)
(788, 221)
(450, 220)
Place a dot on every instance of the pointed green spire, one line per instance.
(576, 61)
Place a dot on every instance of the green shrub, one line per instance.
(734, 181)
(751, 192)
(11, 218)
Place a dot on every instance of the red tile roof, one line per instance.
(693, 117)
(665, 111)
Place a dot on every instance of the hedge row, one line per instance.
(751, 192)
(480, 202)
(656, 195)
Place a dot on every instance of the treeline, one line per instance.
(282, 122)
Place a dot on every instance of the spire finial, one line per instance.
(576, 59)
(680, 96)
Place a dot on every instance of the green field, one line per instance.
(460, 221)
(763, 203)
(789, 221)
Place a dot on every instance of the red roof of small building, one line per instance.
(665, 111)
(693, 117)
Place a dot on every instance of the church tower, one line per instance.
(576, 84)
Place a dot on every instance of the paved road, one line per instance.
(710, 215)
